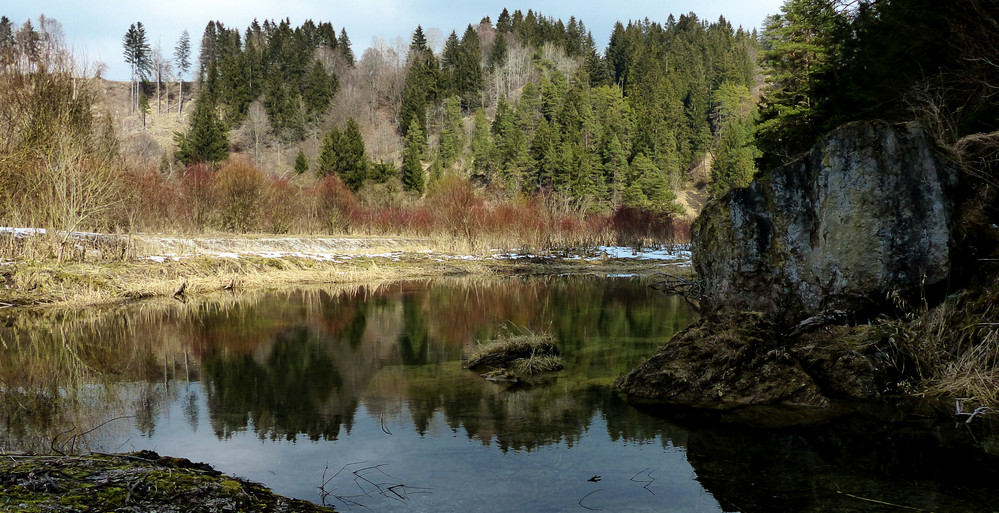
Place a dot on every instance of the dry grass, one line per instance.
(952, 348)
(525, 353)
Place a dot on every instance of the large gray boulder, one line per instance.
(865, 213)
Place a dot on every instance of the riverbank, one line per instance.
(182, 267)
(139, 482)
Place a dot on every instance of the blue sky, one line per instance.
(94, 28)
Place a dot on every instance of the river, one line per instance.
(355, 396)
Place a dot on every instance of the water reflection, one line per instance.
(281, 387)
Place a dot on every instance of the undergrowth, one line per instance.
(952, 348)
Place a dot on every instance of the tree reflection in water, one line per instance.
(380, 365)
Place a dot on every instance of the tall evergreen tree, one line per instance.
(182, 60)
(319, 89)
(205, 139)
(452, 133)
(412, 159)
(803, 43)
(353, 156)
(468, 78)
(422, 84)
(139, 58)
(329, 159)
(482, 143)
(343, 44)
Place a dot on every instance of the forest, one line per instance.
(521, 129)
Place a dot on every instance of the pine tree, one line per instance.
(497, 56)
(422, 84)
(343, 154)
(468, 78)
(450, 60)
(513, 159)
(615, 169)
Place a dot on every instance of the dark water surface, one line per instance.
(356, 397)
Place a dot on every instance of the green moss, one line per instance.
(139, 482)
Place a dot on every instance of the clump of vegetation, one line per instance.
(515, 356)
(952, 349)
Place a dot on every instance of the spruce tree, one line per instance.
(320, 87)
(343, 44)
(205, 139)
(803, 45)
(412, 159)
(482, 143)
(182, 60)
(452, 133)
(468, 74)
(422, 85)
(329, 158)
(139, 58)
(353, 156)
(301, 162)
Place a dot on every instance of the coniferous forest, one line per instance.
(519, 120)
(524, 106)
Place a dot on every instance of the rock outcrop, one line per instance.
(865, 213)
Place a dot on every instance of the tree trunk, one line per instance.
(159, 77)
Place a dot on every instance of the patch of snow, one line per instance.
(678, 254)
(22, 232)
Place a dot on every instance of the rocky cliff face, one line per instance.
(865, 213)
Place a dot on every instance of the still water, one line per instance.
(355, 396)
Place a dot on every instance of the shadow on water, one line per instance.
(286, 387)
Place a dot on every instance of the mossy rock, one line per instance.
(136, 482)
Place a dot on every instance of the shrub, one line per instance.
(241, 194)
(334, 205)
(456, 207)
(283, 203)
(199, 194)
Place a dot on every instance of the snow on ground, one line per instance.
(343, 249)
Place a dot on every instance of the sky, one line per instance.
(94, 28)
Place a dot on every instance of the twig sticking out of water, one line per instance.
(648, 474)
(875, 501)
(584, 498)
(959, 411)
(367, 487)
